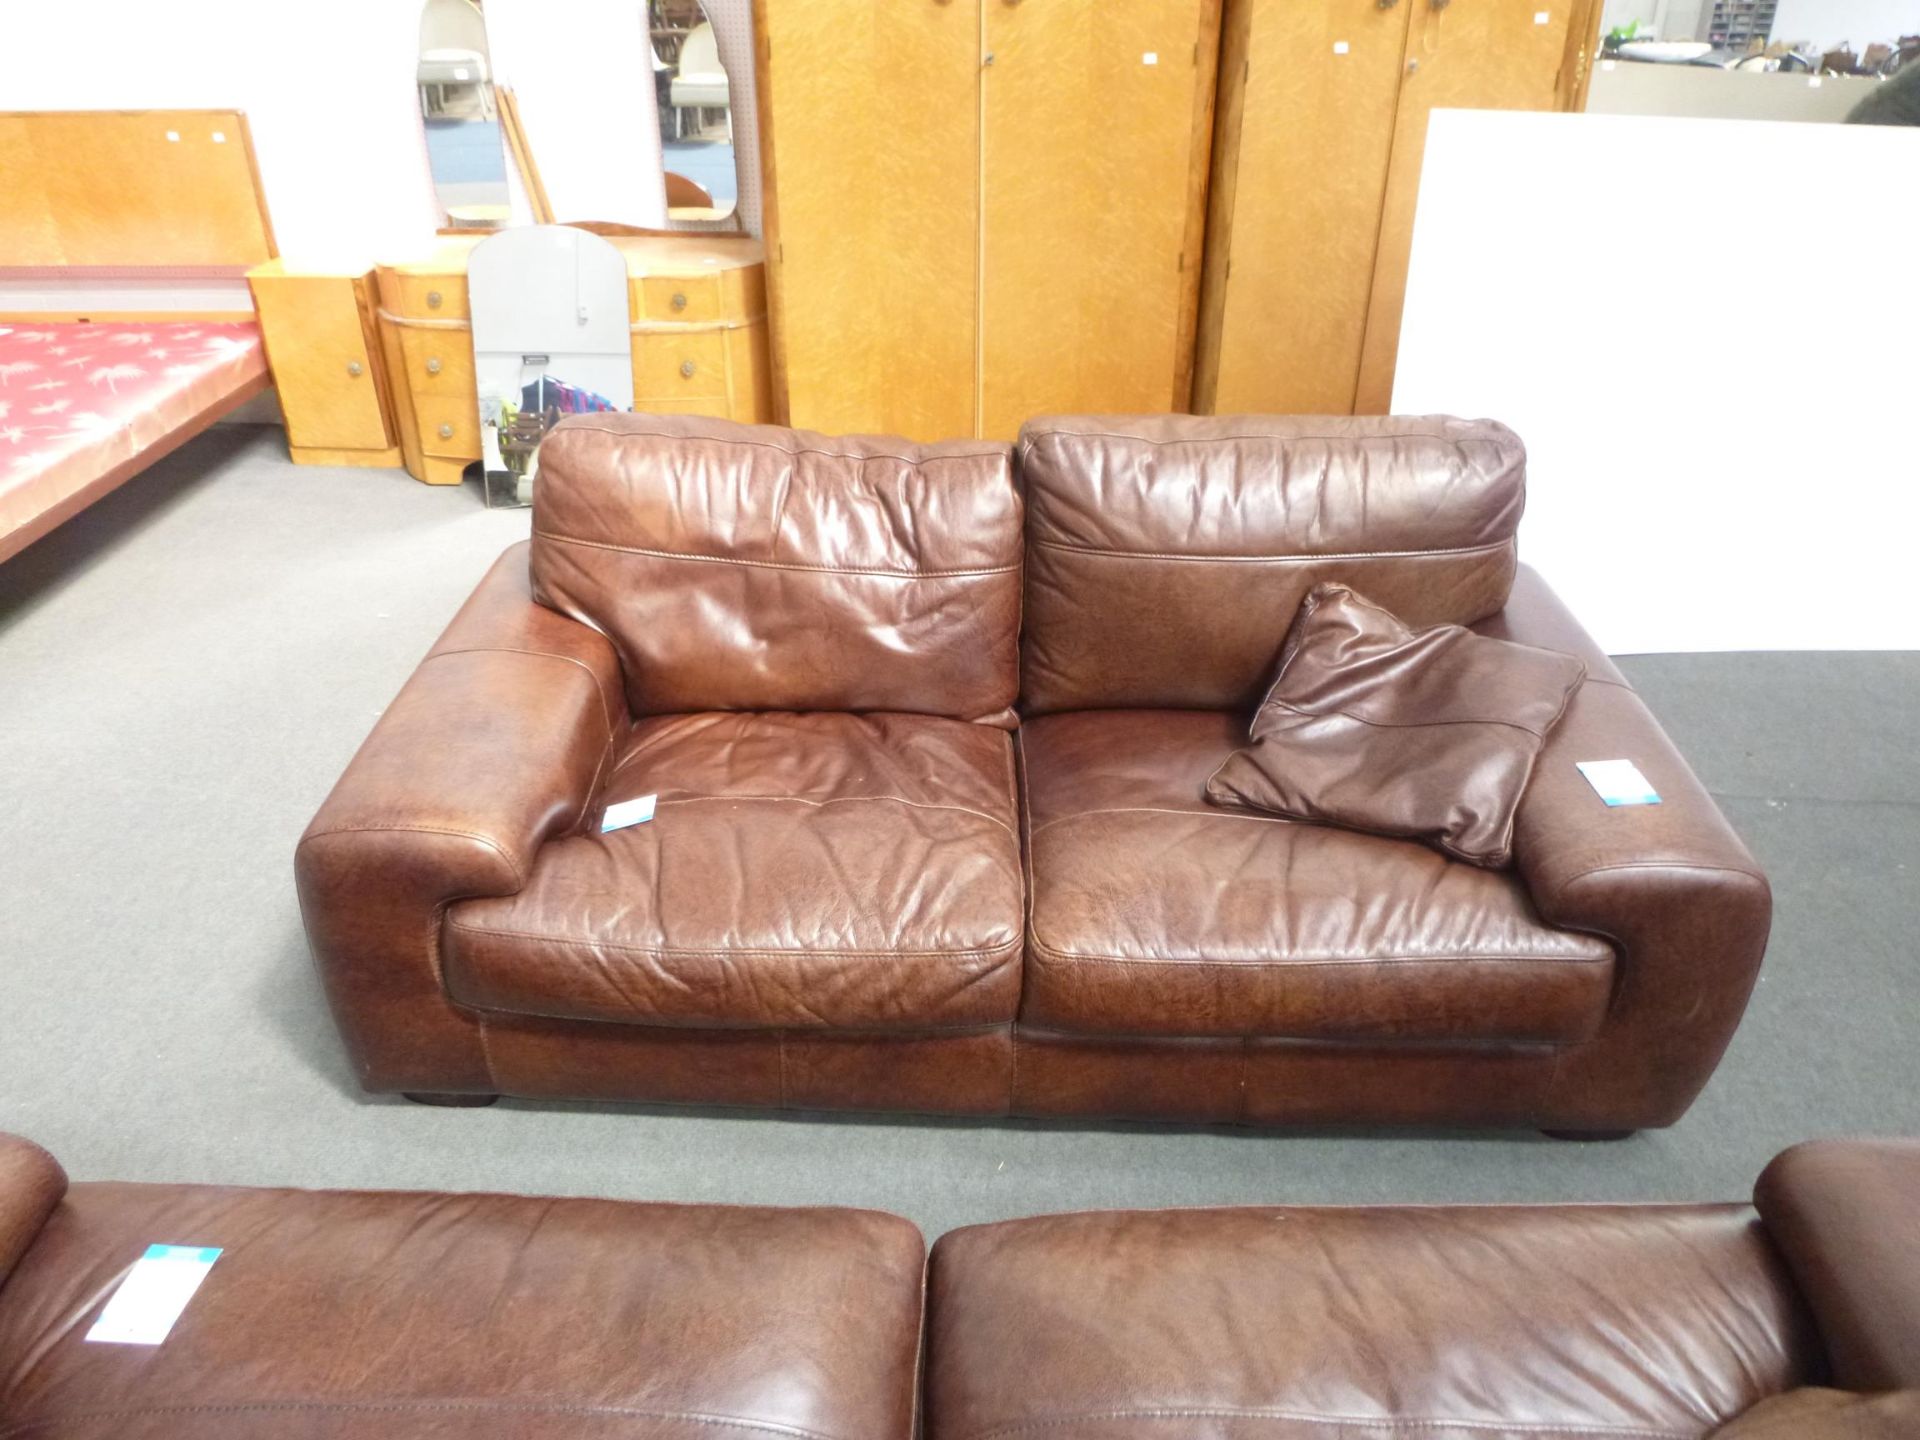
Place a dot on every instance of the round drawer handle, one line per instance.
(433, 299)
(679, 302)
(433, 365)
(686, 368)
(446, 432)
(353, 368)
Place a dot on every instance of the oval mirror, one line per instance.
(696, 114)
(461, 115)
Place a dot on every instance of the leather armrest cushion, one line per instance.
(492, 747)
(1588, 866)
(1846, 1214)
(31, 1184)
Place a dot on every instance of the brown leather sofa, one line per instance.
(349, 1316)
(929, 728)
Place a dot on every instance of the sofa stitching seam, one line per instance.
(1437, 552)
(720, 952)
(494, 845)
(958, 573)
(21, 1427)
(1385, 1422)
(843, 800)
(1052, 952)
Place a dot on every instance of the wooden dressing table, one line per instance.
(698, 310)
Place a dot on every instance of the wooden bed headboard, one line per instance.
(134, 193)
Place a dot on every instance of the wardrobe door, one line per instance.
(1096, 129)
(870, 125)
(1303, 140)
(1462, 54)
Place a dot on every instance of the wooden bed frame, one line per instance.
(151, 195)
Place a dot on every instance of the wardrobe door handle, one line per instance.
(446, 432)
(433, 299)
(686, 368)
(679, 302)
(353, 368)
(433, 365)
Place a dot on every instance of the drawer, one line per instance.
(691, 298)
(689, 366)
(439, 362)
(449, 426)
(424, 297)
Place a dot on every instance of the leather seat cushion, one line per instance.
(1444, 1323)
(1155, 913)
(850, 872)
(362, 1316)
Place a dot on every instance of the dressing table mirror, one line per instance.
(698, 164)
(460, 114)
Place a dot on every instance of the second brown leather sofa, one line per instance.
(406, 1316)
(929, 728)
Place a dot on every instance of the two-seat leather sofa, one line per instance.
(929, 728)
(405, 1316)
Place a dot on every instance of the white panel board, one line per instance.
(1704, 331)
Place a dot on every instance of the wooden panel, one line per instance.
(870, 128)
(131, 190)
(751, 390)
(323, 367)
(1304, 136)
(1486, 55)
(1096, 134)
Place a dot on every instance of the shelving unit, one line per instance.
(1733, 24)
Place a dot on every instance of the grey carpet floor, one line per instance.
(185, 668)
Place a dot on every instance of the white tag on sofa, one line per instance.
(154, 1293)
(628, 812)
(1618, 782)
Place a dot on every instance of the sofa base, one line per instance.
(1030, 1073)
(450, 1102)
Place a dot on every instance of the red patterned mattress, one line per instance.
(82, 406)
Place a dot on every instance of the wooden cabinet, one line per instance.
(983, 210)
(323, 347)
(698, 317)
(1322, 125)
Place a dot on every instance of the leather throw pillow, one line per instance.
(1427, 735)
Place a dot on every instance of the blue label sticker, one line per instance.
(1618, 782)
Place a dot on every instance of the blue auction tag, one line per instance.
(1618, 782)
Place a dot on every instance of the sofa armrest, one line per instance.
(31, 1184)
(1846, 1214)
(1670, 885)
(493, 747)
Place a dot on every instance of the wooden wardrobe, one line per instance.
(983, 210)
(1321, 128)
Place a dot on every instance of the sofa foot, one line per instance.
(1589, 1134)
(451, 1102)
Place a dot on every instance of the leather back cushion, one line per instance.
(1166, 555)
(747, 567)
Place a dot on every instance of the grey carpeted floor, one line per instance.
(185, 668)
